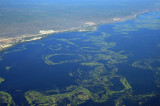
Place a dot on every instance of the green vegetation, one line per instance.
(21, 48)
(125, 83)
(70, 74)
(50, 62)
(148, 64)
(135, 100)
(90, 64)
(56, 47)
(6, 99)
(149, 22)
(97, 66)
(1, 80)
(76, 97)
(8, 68)
(95, 82)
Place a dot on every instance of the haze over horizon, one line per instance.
(22, 17)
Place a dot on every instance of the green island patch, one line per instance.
(8, 68)
(6, 99)
(50, 62)
(1, 80)
(76, 97)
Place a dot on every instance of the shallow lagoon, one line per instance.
(119, 64)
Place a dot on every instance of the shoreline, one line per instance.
(6, 43)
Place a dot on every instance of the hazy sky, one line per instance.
(23, 16)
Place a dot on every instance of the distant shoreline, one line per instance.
(6, 43)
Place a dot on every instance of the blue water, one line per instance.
(30, 72)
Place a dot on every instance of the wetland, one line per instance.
(117, 64)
